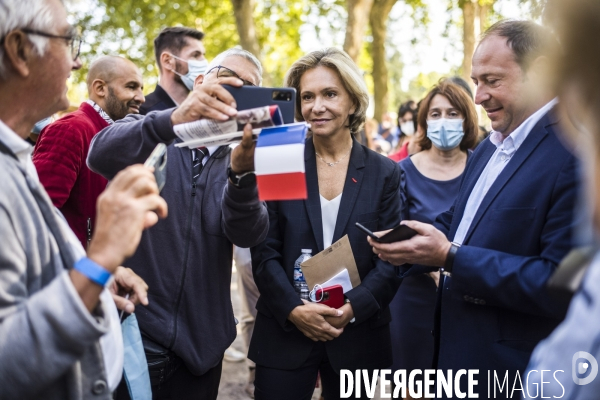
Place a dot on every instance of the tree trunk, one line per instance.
(468, 9)
(378, 21)
(358, 11)
(242, 9)
(484, 10)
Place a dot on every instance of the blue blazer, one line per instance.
(495, 308)
(371, 197)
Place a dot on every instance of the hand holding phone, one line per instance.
(399, 233)
(247, 97)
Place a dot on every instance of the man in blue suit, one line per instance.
(511, 223)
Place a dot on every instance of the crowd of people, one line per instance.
(111, 288)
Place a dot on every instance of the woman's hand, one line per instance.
(341, 322)
(310, 320)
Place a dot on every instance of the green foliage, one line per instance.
(395, 64)
(328, 19)
(396, 95)
(422, 84)
(279, 35)
(536, 7)
(128, 28)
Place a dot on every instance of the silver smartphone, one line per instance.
(158, 160)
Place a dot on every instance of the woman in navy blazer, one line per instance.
(292, 339)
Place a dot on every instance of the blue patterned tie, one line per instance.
(199, 155)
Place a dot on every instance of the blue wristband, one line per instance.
(92, 271)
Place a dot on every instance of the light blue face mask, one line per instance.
(195, 68)
(444, 133)
(135, 366)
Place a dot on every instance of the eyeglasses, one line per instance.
(73, 40)
(224, 72)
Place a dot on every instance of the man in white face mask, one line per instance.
(180, 56)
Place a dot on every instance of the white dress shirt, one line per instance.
(111, 342)
(505, 149)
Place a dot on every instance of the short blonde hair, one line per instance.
(348, 72)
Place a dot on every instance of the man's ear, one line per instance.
(539, 68)
(19, 51)
(99, 88)
(198, 81)
(166, 60)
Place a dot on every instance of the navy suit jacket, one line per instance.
(496, 307)
(371, 197)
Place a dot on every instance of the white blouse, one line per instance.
(329, 213)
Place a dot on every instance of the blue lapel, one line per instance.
(313, 203)
(349, 196)
(535, 137)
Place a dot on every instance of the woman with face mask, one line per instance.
(407, 131)
(429, 184)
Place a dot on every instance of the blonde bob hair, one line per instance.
(349, 74)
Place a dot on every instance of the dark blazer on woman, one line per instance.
(371, 197)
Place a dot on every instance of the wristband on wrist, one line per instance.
(92, 271)
(449, 263)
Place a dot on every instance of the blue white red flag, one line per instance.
(279, 162)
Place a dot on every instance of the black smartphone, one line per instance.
(399, 233)
(247, 97)
(158, 160)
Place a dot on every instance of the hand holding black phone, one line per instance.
(399, 233)
(247, 97)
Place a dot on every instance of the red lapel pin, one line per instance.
(354, 180)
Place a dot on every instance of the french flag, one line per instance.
(279, 162)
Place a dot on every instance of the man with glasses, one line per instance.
(60, 336)
(186, 259)
(224, 72)
(180, 57)
(72, 37)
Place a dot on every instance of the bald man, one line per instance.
(115, 90)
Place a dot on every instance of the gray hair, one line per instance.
(238, 52)
(32, 14)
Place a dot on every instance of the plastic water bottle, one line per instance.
(299, 281)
